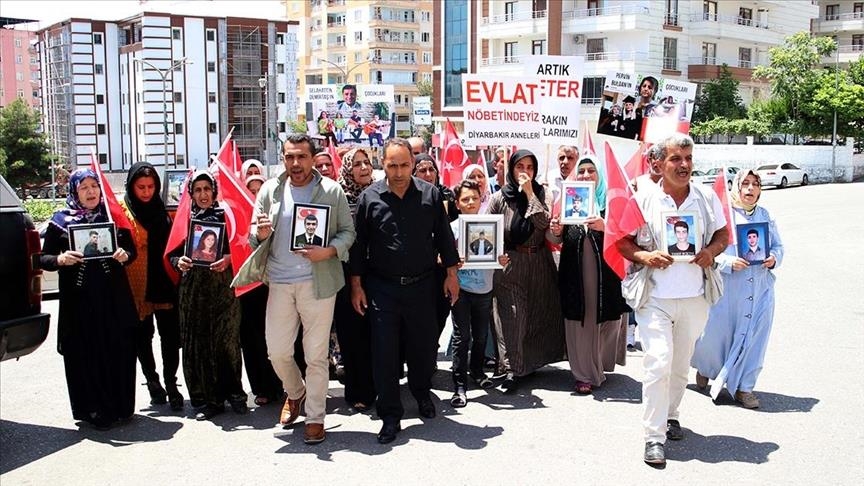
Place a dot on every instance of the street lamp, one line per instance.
(834, 132)
(262, 83)
(164, 73)
(342, 70)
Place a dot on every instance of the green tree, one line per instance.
(719, 97)
(424, 88)
(28, 158)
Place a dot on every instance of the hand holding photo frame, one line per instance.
(578, 202)
(172, 187)
(481, 240)
(311, 226)
(96, 240)
(754, 241)
(204, 243)
(682, 235)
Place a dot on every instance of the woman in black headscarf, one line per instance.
(96, 322)
(426, 168)
(527, 314)
(209, 316)
(154, 294)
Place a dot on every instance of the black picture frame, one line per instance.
(762, 240)
(172, 187)
(302, 212)
(196, 249)
(104, 245)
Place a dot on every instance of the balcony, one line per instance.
(625, 17)
(853, 21)
(390, 21)
(845, 54)
(385, 41)
(703, 68)
(513, 25)
(394, 62)
(734, 28)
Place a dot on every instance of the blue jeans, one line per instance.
(470, 327)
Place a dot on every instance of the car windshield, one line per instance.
(767, 167)
(697, 173)
(713, 171)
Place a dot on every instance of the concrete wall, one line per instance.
(814, 159)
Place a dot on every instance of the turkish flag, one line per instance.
(587, 142)
(238, 207)
(638, 163)
(337, 161)
(179, 227)
(115, 211)
(227, 155)
(623, 215)
(237, 160)
(453, 157)
(722, 192)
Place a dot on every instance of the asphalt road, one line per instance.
(808, 431)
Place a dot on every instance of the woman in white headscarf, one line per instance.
(477, 173)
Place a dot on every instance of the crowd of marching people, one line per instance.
(372, 298)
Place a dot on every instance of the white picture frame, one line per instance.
(481, 240)
(689, 226)
(578, 201)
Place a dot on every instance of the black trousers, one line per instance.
(168, 324)
(406, 314)
(355, 343)
(442, 302)
(262, 378)
(470, 327)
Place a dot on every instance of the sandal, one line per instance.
(583, 388)
(459, 398)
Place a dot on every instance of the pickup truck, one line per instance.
(23, 325)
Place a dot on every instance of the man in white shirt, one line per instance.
(676, 309)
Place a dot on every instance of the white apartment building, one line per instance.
(167, 88)
(844, 21)
(687, 40)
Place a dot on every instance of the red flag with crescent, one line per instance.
(623, 215)
(453, 157)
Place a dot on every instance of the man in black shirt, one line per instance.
(401, 230)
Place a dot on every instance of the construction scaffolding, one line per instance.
(57, 93)
(248, 55)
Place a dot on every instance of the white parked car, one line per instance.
(697, 177)
(782, 175)
(711, 175)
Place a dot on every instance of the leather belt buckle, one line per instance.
(406, 280)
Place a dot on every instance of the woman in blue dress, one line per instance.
(732, 348)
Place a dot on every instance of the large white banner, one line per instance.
(350, 114)
(505, 111)
(560, 80)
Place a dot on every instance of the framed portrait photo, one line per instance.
(682, 234)
(481, 240)
(172, 187)
(577, 202)
(311, 226)
(96, 240)
(754, 241)
(204, 244)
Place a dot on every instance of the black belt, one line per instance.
(405, 280)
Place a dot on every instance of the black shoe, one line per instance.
(655, 454)
(175, 399)
(209, 411)
(239, 406)
(157, 393)
(388, 432)
(673, 430)
(426, 408)
(509, 383)
(459, 399)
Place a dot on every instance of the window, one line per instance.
(709, 10)
(280, 97)
(594, 50)
(358, 36)
(745, 16)
(281, 127)
(280, 68)
(593, 7)
(280, 39)
(175, 33)
(211, 35)
(100, 99)
(745, 57)
(670, 53)
(211, 67)
(509, 10)
(424, 37)
(671, 17)
(19, 76)
(97, 38)
(19, 59)
(538, 9)
(17, 42)
(832, 12)
(178, 97)
(178, 128)
(358, 78)
(455, 58)
(98, 69)
(20, 93)
(103, 159)
(425, 16)
(858, 10)
(211, 127)
(509, 52)
(857, 42)
(211, 97)
(427, 77)
(427, 58)
(592, 90)
(538, 47)
(100, 129)
(180, 159)
(709, 53)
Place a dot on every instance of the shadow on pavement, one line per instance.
(140, 429)
(440, 429)
(619, 388)
(718, 448)
(21, 444)
(768, 402)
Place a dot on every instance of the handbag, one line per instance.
(636, 286)
(713, 284)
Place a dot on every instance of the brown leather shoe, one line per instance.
(701, 382)
(291, 410)
(313, 433)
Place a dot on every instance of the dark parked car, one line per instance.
(23, 325)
